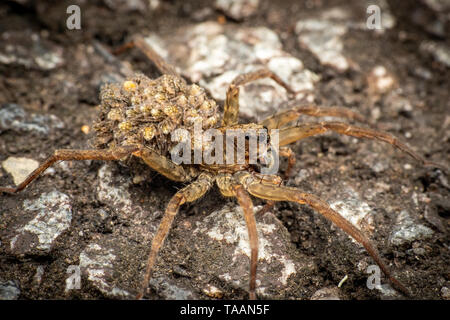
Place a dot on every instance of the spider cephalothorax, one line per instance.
(138, 116)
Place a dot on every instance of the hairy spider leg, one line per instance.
(231, 108)
(291, 134)
(190, 193)
(264, 190)
(280, 119)
(70, 154)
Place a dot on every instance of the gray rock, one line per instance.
(112, 192)
(97, 263)
(387, 292)
(213, 55)
(323, 39)
(9, 290)
(13, 117)
(38, 53)
(323, 35)
(377, 162)
(53, 215)
(349, 203)
(277, 260)
(168, 290)
(407, 230)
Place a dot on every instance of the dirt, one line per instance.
(332, 162)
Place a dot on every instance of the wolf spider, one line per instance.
(137, 117)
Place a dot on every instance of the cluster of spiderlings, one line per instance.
(146, 111)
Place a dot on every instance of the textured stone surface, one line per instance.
(323, 35)
(9, 290)
(53, 215)
(213, 55)
(97, 263)
(331, 293)
(29, 50)
(407, 230)
(14, 117)
(277, 261)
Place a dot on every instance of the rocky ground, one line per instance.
(100, 218)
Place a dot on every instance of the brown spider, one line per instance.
(137, 117)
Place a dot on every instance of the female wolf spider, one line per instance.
(138, 115)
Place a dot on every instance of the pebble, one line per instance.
(380, 80)
(19, 168)
(213, 292)
(387, 292)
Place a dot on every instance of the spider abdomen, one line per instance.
(146, 111)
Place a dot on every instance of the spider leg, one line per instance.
(228, 187)
(289, 154)
(291, 134)
(265, 190)
(267, 207)
(162, 165)
(231, 108)
(189, 193)
(70, 154)
(278, 120)
(140, 43)
(246, 203)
